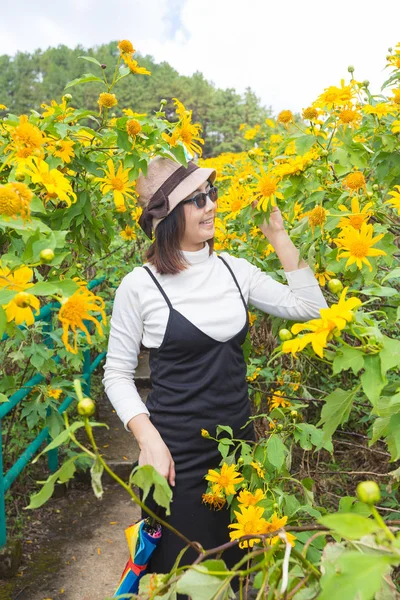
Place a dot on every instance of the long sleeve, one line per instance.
(300, 300)
(122, 355)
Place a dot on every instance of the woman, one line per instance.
(189, 306)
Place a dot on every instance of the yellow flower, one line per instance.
(17, 280)
(27, 139)
(356, 245)
(133, 127)
(323, 275)
(396, 96)
(275, 138)
(56, 185)
(341, 313)
(357, 216)
(250, 522)
(267, 190)
(185, 130)
(107, 100)
(205, 433)
(61, 108)
(354, 181)
(3, 107)
(321, 332)
(396, 126)
(251, 133)
(226, 478)
(62, 149)
(277, 400)
(128, 233)
(246, 498)
(134, 67)
(215, 499)
(20, 308)
(395, 199)
(252, 318)
(259, 468)
(136, 213)
(75, 310)
(118, 183)
(273, 525)
(125, 47)
(335, 96)
(349, 116)
(310, 113)
(382, 109)
(15, 200)
(285, 117)
(54, 392)
(234, 199)
(317, 217)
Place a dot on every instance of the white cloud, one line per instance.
(286, 52)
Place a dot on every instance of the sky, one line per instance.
(287, 52)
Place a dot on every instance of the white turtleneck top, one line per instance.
(204, 293)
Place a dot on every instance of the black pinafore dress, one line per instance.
(197, 382)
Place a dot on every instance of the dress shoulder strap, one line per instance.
(234, 278)
(167, 300)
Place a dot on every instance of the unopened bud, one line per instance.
(350, 69)
(103, 66)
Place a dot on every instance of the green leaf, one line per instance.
(349, 525)
(379, 290)
(147, 476)
(3, 398)
(276, 451)
(336, 410)
(304, 143)
(372, 380)
(60, 439)
(3, 321)
(90, 59)
(200, 584)
(348, 358)
(225, 428)
(64, 473)
(47, 288)
(123, 140)
(96, 472)
(84, 79)
(395, 274)
(390, 354)
(356, 576)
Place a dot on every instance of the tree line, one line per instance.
(29, 79)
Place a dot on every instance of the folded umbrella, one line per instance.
(142, 539)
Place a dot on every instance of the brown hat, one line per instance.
(166, 184)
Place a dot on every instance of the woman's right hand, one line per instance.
(156, 453)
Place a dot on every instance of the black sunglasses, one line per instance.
(200, 199)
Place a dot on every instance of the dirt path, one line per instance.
(77, 547)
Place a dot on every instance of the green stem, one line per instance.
(132, 493)
(306, 563)
(382, 523)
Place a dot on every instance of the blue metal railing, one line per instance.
(7, 479)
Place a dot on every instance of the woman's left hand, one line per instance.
(274, 225)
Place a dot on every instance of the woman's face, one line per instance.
(199, 221)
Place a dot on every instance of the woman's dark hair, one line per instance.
(165, 252)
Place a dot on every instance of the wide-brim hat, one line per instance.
(164, 186)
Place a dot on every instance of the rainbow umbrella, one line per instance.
(142, 539)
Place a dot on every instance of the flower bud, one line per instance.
(350, 69)
(368, 492)
(335, 286)
(205, 433)
(370, 194)
(103, 66)
(319, 172)
(375, 187)
(279, 427)
(284, 335)
(157, 147)
(163, 102)
(67, 97)
(324, 152)
(365, 83)
(294, 414)
(240, 460)
(46, 255)
(275, 506)
(86, 407)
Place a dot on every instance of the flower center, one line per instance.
(267, 188)
(74, 310)
(117, 184)
(10, 204)
(356, 221)
(359, 249)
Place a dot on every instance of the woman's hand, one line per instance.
(275, 224)
(155, 452)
